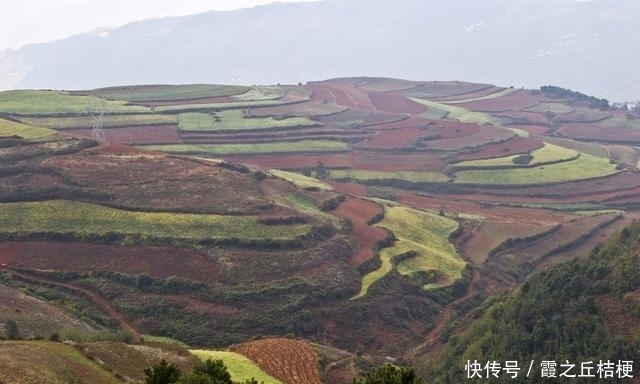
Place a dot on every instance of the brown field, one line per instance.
(359, 211)
(308, 109)
(138, 135)
(510, 147)
(395, 104)
(436, 90)
(159, 262)
(379, 84)
(360, 118)
(532, 129)
(341, 94)
(397, 138)
(517, 100)
(487, 135)
(291, 161)
(381, 161)
(585, 131)
(525, 117)
(290, 361)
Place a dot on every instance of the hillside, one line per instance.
(582, 311)
(372, 216)
(519, 43)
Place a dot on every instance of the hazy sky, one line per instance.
(32, 21)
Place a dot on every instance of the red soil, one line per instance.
(397, 138)
(524, 116)
(290, 361)
(487, 135)
(595, 132)
(341, 94)
(510, 147)
(517, 100)
(159, 262)
(532, 129)
(285, 161)
(359, 211)
(384, 161)
(395, 104)
(145, 134)
(448, 129)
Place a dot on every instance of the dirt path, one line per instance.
(432, 340)
(95, 298)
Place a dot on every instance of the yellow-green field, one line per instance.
(239, 149)
(81, 219)
(83, 121)
(59, 102)
(494, 95)
(458, 113)
(548, 153)
(240, 367)
(367, 175)
(10, 128)
(426, 235)
(236, 120)
(584, 166)
(261, 93)
(300, 180)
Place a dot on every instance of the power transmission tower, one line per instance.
(95, 109)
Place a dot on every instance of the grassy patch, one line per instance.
(458, 113)
(86, 220)
(84, 121)
(274, 147)
(426, 236)
(367, 175)
(299, 180)
(9, 128)
(58, 102)
(236, 120)
(584, 166)
(261, 93)
(218, 106)
(169, 92)
(240, 367)
(548, 153)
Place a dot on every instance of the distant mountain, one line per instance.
(589, 46)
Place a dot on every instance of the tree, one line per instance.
(216, 370)
(11, 329)
(321, 171)
(196, 378)
(162, 373)
(390, 374)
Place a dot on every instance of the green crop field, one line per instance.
(239, 366)
(548, 153)
(494, 95)
(59, 102)
(584, 166)
(261, 93)
(458, 113)
(9, 128)
(169, 92)
(427, 235)
(299, 180)
(84, 121)
(550, 107)
(84, 220)
(261, 148)
(367, 175)
(218, 106)
(236, 120)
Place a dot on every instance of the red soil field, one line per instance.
(290, 361)
(159, 262)
(289, 161)
(443, 89)
(486, 135)
(309, 109)
(532, 129)
(395, 104)
(396, 138)
(594, 132)
(517, 100)
(382, 161)
(447, 129)
(527, 117)
(358, 212)
(341, 94)
(145, 134)
(514, 146)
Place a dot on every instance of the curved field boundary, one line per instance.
(547, 154)
(298, 146)
(584, 167)
(93, 297)
(422, 245)
(10, 128)
(240, 367)
(498, 93)
(289, 360)
(156, 93)
(109, 121)
(29, 102)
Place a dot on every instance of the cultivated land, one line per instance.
(363, 214)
